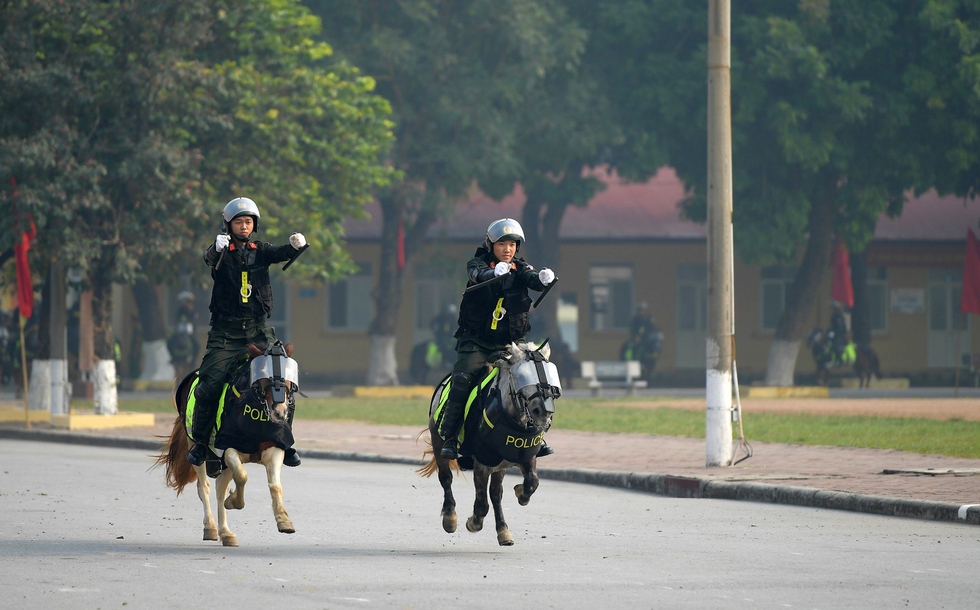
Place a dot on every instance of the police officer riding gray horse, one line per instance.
(492, 411)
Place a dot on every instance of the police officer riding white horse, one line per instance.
(257, 402)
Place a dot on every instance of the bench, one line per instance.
(619, 374)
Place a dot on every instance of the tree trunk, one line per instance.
(383, 366)
(104, 374)
(861, 314)
(802, 294)
(156, 358)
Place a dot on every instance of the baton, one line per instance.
(486, 283)
(222, 257)
(545, 293)
(295, 256)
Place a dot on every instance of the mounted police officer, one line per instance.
(490, 319)
(241, 301)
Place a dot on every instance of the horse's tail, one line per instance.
(173, 454)
(430, 467)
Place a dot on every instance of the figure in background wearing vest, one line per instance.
(490, 319)
(241, 301)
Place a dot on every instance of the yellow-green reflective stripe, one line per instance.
(487, 419)
(496, 314)
(244, 290)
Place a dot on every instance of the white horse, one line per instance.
(256, 430)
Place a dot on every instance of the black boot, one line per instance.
(198, 454)
(205, 407)
(545, 449)
(291, 458)
(452, 414)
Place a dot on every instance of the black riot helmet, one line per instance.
(505, 228)
(241, 206)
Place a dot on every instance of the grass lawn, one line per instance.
(952, 437)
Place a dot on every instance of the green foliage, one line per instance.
(128, 124)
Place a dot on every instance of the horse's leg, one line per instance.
(272, 460)
(236, 500)
(204, 493)
(228, 538)
(530, 484)
(449, 520)
(496, 494)
(481, 479)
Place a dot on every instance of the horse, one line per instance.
(254, 426)
(506, 418)
(863, 359)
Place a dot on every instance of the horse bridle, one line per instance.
(543, 390)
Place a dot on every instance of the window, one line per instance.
(611, 290)
(692, 299)
(878, 298)
(776, 282)
(568, 320)
(349, 305)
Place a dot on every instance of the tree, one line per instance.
(161, 105)
(824, 110)
(457, 75)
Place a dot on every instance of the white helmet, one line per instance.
(505, 228)
(241, 206)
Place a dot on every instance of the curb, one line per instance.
(672, 486)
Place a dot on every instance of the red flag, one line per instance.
(401, 244)
(970, 295)
(842, 290)
(25, 289)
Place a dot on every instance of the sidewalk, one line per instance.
(866, 480)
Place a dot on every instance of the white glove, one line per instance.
(546, 276)
(221, 242)
(501, 269)
(297, 240)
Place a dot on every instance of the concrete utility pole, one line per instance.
(718, 408)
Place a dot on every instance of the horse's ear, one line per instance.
(254, 351)
(289, 350)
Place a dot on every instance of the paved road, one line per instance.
(90, 527)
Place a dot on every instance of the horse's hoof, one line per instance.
(519, 492)
(231, 504)
(229, 540)
(286, 527)
(474, 526)
(210, 534)
(449, 523)
(504, 538)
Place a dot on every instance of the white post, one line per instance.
(718, 404)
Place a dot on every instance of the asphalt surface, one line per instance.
(87, 527)
(882, 482)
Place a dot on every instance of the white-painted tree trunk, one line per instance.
(39, 390)
(383, 369)
(156, 362)
(782, 362)
(718, 413)
(104, 387)
(60, 389)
